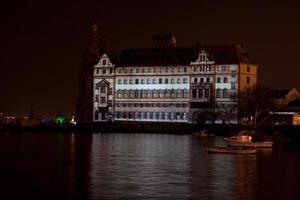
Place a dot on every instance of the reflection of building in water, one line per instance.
(245, 177)
(139, 166)
(167, 83)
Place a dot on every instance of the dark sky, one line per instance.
(42, 41)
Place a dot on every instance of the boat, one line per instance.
(241, 140)
(231, 150)
(202, 133)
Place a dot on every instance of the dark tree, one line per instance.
(254, 104)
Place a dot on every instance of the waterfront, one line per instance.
(140, 166)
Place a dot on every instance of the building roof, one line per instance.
(169, 56)
(279, 93)
(295, 103)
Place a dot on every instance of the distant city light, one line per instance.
(73, 120)
(60, 119)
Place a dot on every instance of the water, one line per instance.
(140, 166)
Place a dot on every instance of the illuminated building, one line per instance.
(171, 84)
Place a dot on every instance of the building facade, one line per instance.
(198, 84)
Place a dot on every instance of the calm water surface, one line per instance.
(140, 166)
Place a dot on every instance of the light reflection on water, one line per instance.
(140, 166)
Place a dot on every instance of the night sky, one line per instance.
(42, 41)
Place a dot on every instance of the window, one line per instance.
(248, 80)
(185, 93)
(148, 81)
(120, 81)
(178, 81)
(131, 94)
(200, 94)
(96, 98)
(136, 81)
(104, 62)
(166, 81)
(206, 93)
(233, 86)
(225, 93)
(201, 80)
(103, 89)
(102, 100)
(194, 93)
(248, 68)
(125, 71)
(218, 93)
(97, 72)
(103, 71)
(125, 81)
(110, 70)
(154, 81)
(142, 81)
(130, 70)
(195, 80)
(172, 80)
(136, 94)
(207, 80)
(130, 81)
(225, 79)
(137, 70)
(119, 70)
(218, 80)
(184, 80)
(185, 69)
(160, 81)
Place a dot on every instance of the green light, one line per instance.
(60, 119)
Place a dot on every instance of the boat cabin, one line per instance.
(240, 138)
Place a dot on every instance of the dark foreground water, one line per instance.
(140, 166)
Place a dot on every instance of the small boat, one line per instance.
(231, 150)
(241, 140)
(202, 133)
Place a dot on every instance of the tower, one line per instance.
(90, 57)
